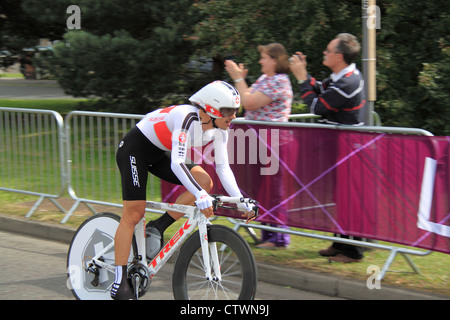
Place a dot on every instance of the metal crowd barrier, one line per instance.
(32, 154)
(394, 250)
(43, 155)
(92, 139)
(311, 117)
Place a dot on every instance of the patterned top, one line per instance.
(279, 89)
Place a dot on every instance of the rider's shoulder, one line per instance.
(182, 109)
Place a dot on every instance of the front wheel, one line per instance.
(237, 264)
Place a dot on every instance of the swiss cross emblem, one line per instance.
(182, 137)
(237, 100)
(212, 110)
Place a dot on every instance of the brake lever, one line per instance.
(215, 205)
(255, 210)
(255, 207)
(216, 201)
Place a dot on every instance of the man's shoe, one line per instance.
(122, 291)
(343, 259)
(329, 252)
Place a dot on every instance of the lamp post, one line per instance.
(370, 22)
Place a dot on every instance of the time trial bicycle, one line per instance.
(214, 263)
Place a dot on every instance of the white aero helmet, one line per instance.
(219, 99)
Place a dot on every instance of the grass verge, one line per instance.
(12, 75)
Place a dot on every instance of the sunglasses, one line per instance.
(228, 112)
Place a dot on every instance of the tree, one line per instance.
(433, 81)
(234, 28)
(24, 22)
(137, 51)
(411, 43)
(130, 53)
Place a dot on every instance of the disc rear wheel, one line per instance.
(88, 281)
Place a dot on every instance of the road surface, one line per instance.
(31, 89)
(35, 269)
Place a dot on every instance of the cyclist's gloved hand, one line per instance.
(249, 214)
(245, 207)
(204, 201)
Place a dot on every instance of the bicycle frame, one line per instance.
(141, 270)
(194, 219)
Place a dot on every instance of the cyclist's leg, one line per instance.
(133, 157)
(163, 171)
(187, 198)
(132, 213)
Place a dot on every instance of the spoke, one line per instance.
(194, 294)
(225, 291)
(225, 258)
(236, 282)
(225, 272)
(227, 288)
(195, 275)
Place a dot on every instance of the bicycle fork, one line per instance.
(209, 253)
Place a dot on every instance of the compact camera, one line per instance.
(291, 58)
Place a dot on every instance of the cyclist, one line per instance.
(158, 144)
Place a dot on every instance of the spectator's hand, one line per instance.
(298, 66)
(235, 71)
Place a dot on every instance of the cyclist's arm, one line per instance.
(180, 138)
(223, 169)
(226, 176)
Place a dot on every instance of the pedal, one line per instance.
(139, 279)
(136, 284)
(96, 273)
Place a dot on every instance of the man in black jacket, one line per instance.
(339, 99)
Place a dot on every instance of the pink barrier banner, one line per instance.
(380, 186)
